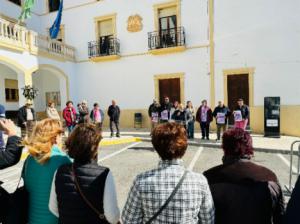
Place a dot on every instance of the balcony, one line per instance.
(19, 38)
(166, 41)
(107, 48)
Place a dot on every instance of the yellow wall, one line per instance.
(289, 123)
(257, 119)
(290, 120)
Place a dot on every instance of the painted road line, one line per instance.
(104, 142)
(118, 152)
(195, 158)
(117, 141)
(287, 162)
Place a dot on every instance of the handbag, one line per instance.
(169, 199)
(98, 213)
(18, 203)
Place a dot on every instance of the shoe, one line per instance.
(112, 135)
(118, 135)
(207, 138)
(202, 138)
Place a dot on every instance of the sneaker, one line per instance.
(118, 135)
(112, 135)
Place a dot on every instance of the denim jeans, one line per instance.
(190, 129)
(70, 128)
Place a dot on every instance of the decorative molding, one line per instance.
(157, 7)
(239, 71)
(103, 18)
(169, 76)
(134, 23)
(168, 50)
(105, 58)
(149, 52)
(211, 53)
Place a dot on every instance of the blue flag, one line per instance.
(54, 30)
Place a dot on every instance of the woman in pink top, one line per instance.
(97, 116)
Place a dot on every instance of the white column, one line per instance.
(63, 88)
(21, 84)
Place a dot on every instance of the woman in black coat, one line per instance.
(12, 153)
(8, 157)
(244, 192)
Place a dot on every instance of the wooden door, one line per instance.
(237, 87)
(169, 88)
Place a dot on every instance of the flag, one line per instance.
(26, 10)
(54, 30)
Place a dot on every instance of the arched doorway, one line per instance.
(12, 80)
(53, 85)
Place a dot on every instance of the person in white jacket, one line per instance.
(51, 111)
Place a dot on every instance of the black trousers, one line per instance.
(116, 123)
(205, 129)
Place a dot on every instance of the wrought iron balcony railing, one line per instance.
(106, 46)
(174, 37)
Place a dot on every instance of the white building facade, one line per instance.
(134, 51)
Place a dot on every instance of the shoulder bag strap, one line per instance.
(169, 199)
(99, 214)
(23, 171)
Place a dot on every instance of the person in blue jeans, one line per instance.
(190, 117)
(2, 116)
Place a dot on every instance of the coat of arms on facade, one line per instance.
(134, 23)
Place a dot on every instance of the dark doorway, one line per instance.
(237, 87)
(167, 31)
(170, 88)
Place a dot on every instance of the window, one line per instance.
(105, 27)
(53, 5)
(167, 15)
(106, 43)
(11, 90)
(17, 2)
(168, 27)
(168, 31)
(167, 18)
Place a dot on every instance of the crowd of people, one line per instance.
(26, 118)
(186, 115)
(69, 186)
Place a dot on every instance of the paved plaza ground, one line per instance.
(129, 159)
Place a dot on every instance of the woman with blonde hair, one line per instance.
(44, 159)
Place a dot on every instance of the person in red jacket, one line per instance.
(69, 114)
(204, 117)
